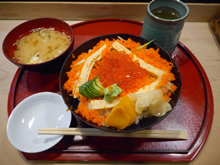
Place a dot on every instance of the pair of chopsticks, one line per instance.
(156, 134)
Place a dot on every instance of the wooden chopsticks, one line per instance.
(157, 134)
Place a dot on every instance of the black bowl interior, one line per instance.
(144, 123)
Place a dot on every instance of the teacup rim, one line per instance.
(168, 20)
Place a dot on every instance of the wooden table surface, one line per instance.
(197, 36)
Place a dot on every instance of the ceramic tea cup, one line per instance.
(164, 22)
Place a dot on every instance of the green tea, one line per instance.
(166, 13)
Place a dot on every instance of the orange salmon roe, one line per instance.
(118, 67)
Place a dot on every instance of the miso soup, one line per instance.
(41, 45)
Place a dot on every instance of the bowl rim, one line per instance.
(179, 2)
(103, 128)
(72, 36)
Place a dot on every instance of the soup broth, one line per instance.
(41, 45)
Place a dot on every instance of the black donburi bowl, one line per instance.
(73, 103)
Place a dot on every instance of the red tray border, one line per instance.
(192, 153)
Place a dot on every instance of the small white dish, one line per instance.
(41, 110)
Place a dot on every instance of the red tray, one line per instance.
(193, 112)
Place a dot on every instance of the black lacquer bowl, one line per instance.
(144, 123)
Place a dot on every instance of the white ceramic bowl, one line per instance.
(41, 110)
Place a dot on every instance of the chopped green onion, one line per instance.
(121, 38)
(16, 43)
(36, 30)
(145, 45)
